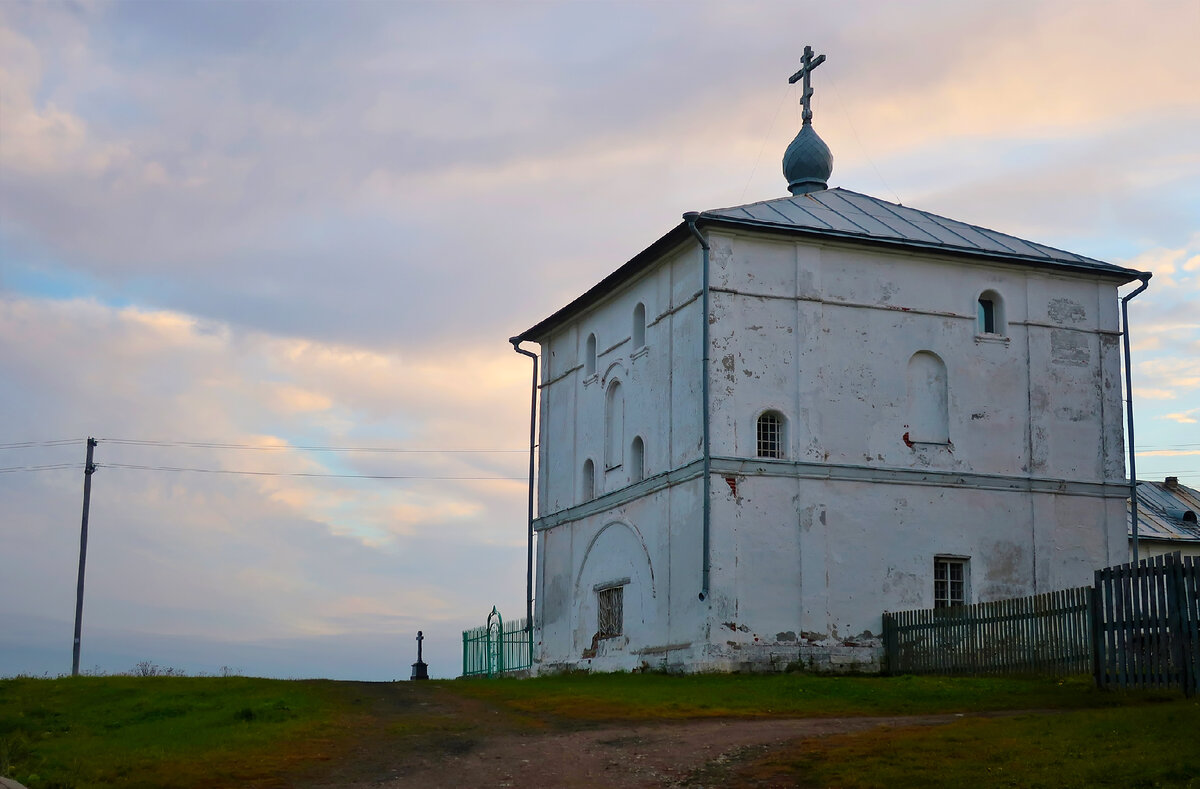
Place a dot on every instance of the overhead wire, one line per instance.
(30, 444)
(299, 447)
(766, 137)
(47, 467)
(296, 473)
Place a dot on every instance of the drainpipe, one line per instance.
(1133, 496)
(516, 344)
(690, 217)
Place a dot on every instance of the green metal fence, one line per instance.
(497, 647)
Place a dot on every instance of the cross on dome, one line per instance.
(807, 163)
(807, 64)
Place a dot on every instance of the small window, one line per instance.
(589, 356)
(639, 326)
(987, 316)
(610, 611)
(637, 460)
(949, 582)
(770, 435)
(587, 487)
(990, 314)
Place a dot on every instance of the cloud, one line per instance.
(277, 225)
(1184, 417)
(238, 557)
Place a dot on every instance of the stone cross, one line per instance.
(807, 64)
(420, 670)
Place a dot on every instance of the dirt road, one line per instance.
(444, 740)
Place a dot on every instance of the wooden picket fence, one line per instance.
(1138, 627)
(1044, 634)
(1146, 624)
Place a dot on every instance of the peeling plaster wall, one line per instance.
(807, 551)
(823, 334)
(648, 531)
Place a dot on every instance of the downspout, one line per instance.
(690, 217)
(516, 344)
(1133, 496)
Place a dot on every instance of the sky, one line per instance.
(234, 231)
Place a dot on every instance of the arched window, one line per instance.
(587, 486)
(614, 426)
(928, 399)
(990, 314)
(771, 434)
(589, 356)
(637, 460)
(639, 326)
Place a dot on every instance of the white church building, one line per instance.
(781, 419)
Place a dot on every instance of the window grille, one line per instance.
(949, 582)
(770, 436)
(611, 611)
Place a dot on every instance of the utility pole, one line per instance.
(89, 468)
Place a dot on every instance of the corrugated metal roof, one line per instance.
(844, 214)
(840, 214)
(1162, 512)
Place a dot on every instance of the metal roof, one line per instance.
(1162, 512)
(841, 215)
(844, 214)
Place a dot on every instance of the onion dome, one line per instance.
(807, 163)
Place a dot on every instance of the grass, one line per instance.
(1138, 746)
(178, 732)
(606, 697)
(158, 731)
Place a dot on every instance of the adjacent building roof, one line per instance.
(840, 214)
(1167, 511)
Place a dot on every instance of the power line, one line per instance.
(28, 444)
(300, 447)
(293, 473)
(51, 467)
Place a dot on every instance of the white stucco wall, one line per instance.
(807, 551)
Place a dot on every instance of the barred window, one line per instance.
(770, 435)
(610, 611)
(949, 582)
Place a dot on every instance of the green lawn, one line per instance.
(1137, 746)
(157, 731)
(658, 696)
(181, 732)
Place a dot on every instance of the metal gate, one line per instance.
(497, 648)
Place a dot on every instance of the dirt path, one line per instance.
(474, 746)
(654, 755)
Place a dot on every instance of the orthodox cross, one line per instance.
(807, 64)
